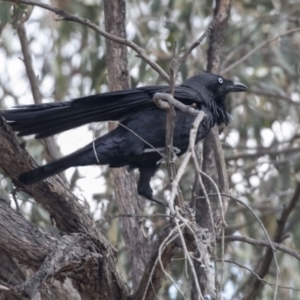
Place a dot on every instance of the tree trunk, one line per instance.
(213, 157)
(125, 187)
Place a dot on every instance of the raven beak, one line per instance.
(236, 86)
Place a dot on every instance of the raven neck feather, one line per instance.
(219, 112)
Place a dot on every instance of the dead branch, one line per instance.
(214, 57)
(165, 101)
(172, 101)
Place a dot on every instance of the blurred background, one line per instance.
(261, 144)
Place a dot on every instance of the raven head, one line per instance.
(222, 86)
(211, 85)
(212, 90)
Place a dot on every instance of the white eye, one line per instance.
(220, 80)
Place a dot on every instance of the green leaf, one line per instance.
(5, 16)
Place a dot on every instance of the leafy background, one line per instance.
(261, 144)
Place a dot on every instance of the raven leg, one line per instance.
(144, 188)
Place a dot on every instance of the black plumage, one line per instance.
(136, 142)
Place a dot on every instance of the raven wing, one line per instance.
(48, 119)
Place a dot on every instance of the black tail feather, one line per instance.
(42, 172)
(50, 118)
(81, 157)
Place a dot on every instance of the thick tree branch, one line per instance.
(14, 274)
(51, 255)
(22, 239)
(63, 207)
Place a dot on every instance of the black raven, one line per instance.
(138, 139)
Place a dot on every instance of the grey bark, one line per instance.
(213, 157)
(101, 274)
(137, 244)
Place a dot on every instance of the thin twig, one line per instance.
(192, 139)
(170, 125)
(199, 172)
(84, 21)
(272, 285)
(261, 45)
(196, 43)
(170, 237)
(263, 152)
(50, 144)
(14, 195)
(133, 216)
(274, 94)
(161, 248)
(189, 258)
(266, 262)
(203, 251)
(260, 243)
(269, 240)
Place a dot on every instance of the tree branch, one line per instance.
(51, 146)
(262, 152)
(63, 207)
(153, 271)
(51, 255)
(196, 43)
(267, 259)
(261, 45)
(260, 243)
(84, 21)
(213, 157)
(137, 244)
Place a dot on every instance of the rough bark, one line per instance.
(50, 255)
(125, 186)
(213, 157)
(101, 274)
(212, 142)
(13, 273)
(152, 277)
(80, 251)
